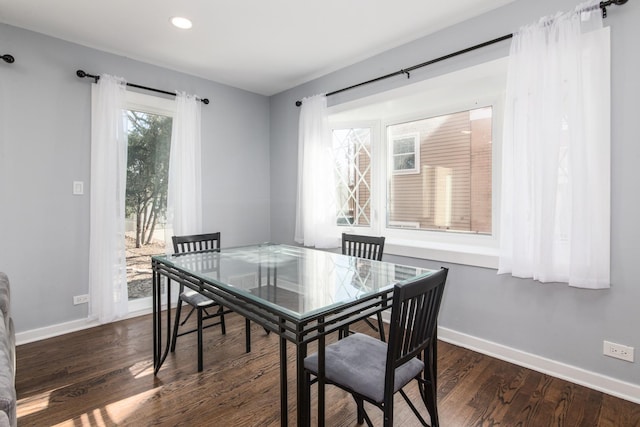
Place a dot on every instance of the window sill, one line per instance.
(478, 256)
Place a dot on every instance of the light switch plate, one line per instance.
(78, 188)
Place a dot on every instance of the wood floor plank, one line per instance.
(103, 376)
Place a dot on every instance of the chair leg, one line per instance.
(343, 332)
(388, 412)
(381, 327)
(360, 405)
(413, 407)
(176, 325)
(188, 316)
(247, 335)
(200, 364)
(430, 400)
(222, 324)
(366, 417)
(307, 397)
(430, 384)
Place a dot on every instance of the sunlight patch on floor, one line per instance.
(113, 413)
(141, 369)
(31, 405)
(121, 410)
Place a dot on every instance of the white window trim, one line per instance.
(375, 147)
(468, 87)
(151, 104)
(450, 246)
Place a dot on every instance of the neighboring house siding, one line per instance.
(453, 188)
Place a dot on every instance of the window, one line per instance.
(453, 189)
(422, 171)
(149, 137)
(404, 153)
(352, 154)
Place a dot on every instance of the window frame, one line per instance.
(416, 154)
(467, 93)
(374, 127)
(448, 245)
(159, 106)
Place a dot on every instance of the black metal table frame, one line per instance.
(300, 332)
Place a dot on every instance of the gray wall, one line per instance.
(45, 146)
(549, 320)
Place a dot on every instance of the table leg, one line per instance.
(284, 412)
(156, 325)
(303, 401)
(158, 355)
(321, 371)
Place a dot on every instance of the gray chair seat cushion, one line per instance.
(358, 362)
(196, 299)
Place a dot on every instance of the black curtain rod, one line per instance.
(8, 58)
(605, 4)
(407, 71)
(82, 75)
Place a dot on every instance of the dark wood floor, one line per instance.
(104, 376)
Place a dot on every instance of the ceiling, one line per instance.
(263, 46)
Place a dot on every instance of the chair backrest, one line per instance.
(414, 318)
(363, 246)
(196, 243)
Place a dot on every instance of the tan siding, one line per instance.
(455, 165)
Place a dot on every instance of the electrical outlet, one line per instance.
(618, 351)
(80, 299)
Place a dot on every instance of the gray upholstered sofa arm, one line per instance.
(7, 356)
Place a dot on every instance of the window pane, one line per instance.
(149, 138)
(405, 161)
(352, 152)
(403, 145)
(452, 189)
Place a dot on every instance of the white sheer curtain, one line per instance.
(315, 204)
(555, 212)
(107, 257)
(184, 197)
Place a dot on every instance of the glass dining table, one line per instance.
(298, 293)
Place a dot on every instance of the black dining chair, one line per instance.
(369, 247)
(204, 307)
(373, 371)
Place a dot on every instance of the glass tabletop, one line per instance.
(299, 281)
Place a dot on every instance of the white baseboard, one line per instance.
(608, 385)
(54, 331)
(65, 328)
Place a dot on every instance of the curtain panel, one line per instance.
(184, 194)
(555, 198)
(315, 204)
(107, 254)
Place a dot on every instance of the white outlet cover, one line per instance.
(618, 351)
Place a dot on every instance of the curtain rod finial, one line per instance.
(82, 74)
(298, 103)
(8, 58)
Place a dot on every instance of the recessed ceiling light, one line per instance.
(182, 23)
